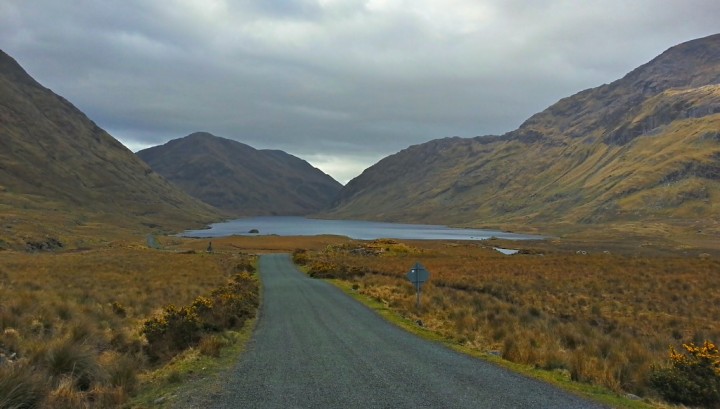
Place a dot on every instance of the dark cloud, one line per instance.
(339, 82)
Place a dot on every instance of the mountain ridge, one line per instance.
(642, 148)
(240, 179)
(55, 162)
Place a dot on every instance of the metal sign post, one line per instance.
(418, 275)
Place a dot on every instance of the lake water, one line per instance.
(361, 230)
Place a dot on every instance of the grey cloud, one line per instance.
(333, 78)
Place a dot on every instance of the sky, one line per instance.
(339, 83)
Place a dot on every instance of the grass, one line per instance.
(557, 378)
(550, 312)
(70, 320)
(192, 376)
(597, 321)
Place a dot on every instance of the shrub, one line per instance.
(173, 331)
(66, 358)
(226, 307)
(107, 397)
(243, 267)
(122, 371)
(326, 269)
(300, 256)
(66, 395)
(119, 309)
(693, 377)
(212, 345)
(10, 340)
(20, 388)
(230, 305)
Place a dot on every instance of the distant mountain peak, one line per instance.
(599, 112)
(241, 179)
(202, 135)
(13, 71)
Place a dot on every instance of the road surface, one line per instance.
(315, 347)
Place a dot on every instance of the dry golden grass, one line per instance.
(70, 320)
(600, 317)
(262, 244)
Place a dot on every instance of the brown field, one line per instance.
(70, 320)
(605, 316)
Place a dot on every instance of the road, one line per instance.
(315, 347)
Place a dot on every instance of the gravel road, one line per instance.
(315, 347)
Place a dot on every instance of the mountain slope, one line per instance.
(643, 148)
(60, 166)
(240, 179)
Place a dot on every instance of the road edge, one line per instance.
(591, 392)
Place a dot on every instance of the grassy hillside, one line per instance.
(643, 149)
(240, 179)
(59, 171)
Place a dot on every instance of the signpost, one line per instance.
(418, 275)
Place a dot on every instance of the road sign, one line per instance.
(418, 275)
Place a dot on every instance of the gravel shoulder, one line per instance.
(316, 347)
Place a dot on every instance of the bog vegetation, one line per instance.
(79, 328)
(595, 316)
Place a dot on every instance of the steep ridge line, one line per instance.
(601, 156)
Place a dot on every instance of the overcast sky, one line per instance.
(340, 83)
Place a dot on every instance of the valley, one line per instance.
(563, 311)
(103, 305)
(638, 156)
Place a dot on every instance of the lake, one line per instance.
(360, 230)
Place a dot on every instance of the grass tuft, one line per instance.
(21, 387)
(65, 359)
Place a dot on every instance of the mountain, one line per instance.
(644, 148)
(240, 179)
(58, 168)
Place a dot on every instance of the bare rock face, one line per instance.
(645, 147)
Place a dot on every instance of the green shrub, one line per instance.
(66, 395)
(300, 257)
(212, 345)
(119, 309)
(233, 303)
(325, 269)
(693, 377)
(225, 307)
(66, 358)
(123, 373)
(243, 267)
(20, 388)
(175, 330)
